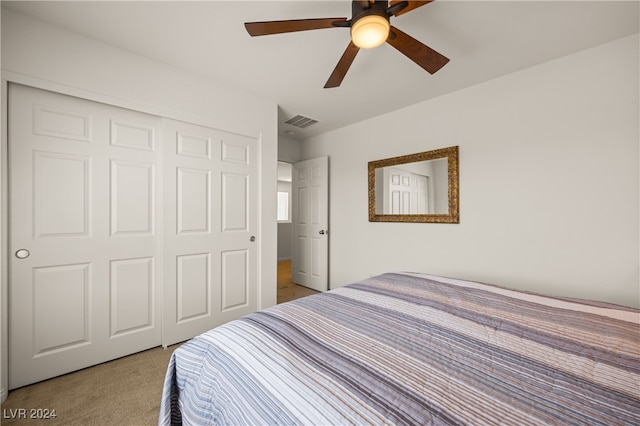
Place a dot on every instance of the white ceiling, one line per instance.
(482, 39)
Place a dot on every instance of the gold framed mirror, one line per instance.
(420, 187)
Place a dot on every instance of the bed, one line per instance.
(412, 349)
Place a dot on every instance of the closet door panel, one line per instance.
(210, 216)
(85, 248)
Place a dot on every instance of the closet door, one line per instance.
(210, 229)
(84, 244)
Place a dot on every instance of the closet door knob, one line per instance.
(252, 238)
(322, 232)
(22, 254)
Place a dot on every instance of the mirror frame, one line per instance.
(453, 215)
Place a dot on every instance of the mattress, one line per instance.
(412, 349)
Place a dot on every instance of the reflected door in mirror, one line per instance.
(416, 188)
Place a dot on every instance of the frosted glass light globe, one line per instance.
(370, 31)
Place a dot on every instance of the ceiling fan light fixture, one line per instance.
(370, 31)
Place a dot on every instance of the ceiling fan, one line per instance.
(370, 27)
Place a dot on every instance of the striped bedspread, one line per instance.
(412, 349)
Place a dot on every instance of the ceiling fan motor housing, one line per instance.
(376, 8)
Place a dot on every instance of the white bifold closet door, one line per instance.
(96, 270)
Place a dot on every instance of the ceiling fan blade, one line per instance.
(422, 55)
(341, 69)
(412, 5)
(278, 27)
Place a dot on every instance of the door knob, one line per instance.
(22, 254)
(322, 232)
(252, 238)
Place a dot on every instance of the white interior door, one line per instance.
(84, 237)
(310, 259)
(407, 192)
(210, 248)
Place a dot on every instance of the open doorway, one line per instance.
(287, 289)
(284, 215)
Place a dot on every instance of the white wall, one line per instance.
(549, 182)
(288, 150)
(37, 54)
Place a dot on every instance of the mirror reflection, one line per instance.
(420, 187)
(414, 188)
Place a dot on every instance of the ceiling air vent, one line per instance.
(301, 121)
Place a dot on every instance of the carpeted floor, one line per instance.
(124, 392)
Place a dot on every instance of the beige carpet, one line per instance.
(124, 392)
